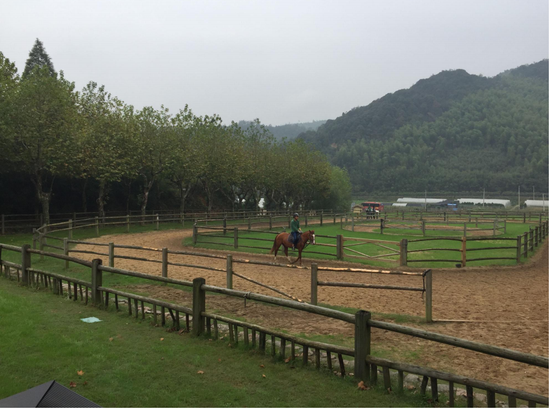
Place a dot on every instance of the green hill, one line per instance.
(453, 131)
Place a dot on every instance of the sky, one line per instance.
(279, 61)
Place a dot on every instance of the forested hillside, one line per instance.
(288, 131)
(452, 131)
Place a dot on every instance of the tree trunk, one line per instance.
(43, 197)
(101, 199)
(84, 201)
(146, 190)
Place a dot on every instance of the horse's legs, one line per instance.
(276, 250)
(286, 253)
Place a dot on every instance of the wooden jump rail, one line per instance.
(365, 365)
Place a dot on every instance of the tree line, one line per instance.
(51, 134)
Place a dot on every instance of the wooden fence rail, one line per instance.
(522, 245)
(365, 365)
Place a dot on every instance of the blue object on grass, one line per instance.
(90, 320)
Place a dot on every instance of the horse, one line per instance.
(283, 238)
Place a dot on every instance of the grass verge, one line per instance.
(128, 363)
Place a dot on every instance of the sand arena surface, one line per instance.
(502, 306)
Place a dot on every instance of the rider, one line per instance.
(295, 230)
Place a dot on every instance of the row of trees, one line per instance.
(48, 131)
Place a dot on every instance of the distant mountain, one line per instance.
(289, 131)
(452, 131)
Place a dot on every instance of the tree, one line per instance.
(41, 127)
(183, 165)
(38, 58)
(105, 141)
(9, 81)
(152, 148)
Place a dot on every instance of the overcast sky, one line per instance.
(279, 61)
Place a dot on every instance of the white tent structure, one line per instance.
(536, 203)
(487, 202)
(419, 200)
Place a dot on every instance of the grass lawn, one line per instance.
(130, 363)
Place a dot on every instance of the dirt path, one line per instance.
(503, 306)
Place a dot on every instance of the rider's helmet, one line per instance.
(295, 215)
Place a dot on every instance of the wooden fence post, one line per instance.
(127, 223)
(476, 221)
(313, 284)
(34, 239)
(235, 237)
(229, 271)
(41, 245)
(339, 247)
(362, 345)
(465, 229)
(199, 306)
(352, 222)
(403, 252)
(195, 234)
(518, 252)
(224, 225)
(25, 263)
(536, 236)
(66, 251)
(504, 226)
(158, 222)
(333, 217)
(305, 219)
(428, 278)
(249, 225)
(423, 227)
(70, 229)
(525, 244)
(97, 281)
(524, 217)
(382, 226)
(463, 250)
(271, 222)
(321, 219)
(494, 227)
(97, 226)
(165, 262)
(111, 254)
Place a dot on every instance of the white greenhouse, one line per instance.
(487, 202)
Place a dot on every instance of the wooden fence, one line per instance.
(203, 322)
(520, 247)
(26, 222)
(387, 225)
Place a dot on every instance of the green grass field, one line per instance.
(130, 363)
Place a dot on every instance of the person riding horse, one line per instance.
(295, 230)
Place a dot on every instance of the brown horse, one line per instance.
(283, 238)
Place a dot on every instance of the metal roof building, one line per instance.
(488, 202)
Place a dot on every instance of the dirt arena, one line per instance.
(502, 306)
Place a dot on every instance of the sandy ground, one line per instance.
(503, 306)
